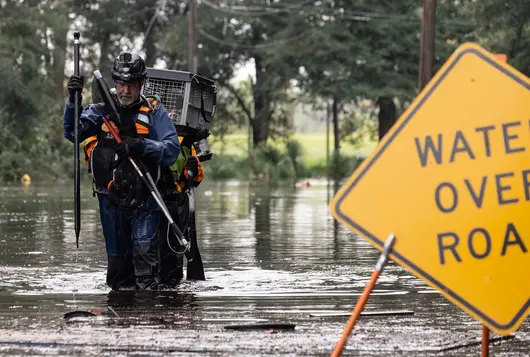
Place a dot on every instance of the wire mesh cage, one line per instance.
(190, 100)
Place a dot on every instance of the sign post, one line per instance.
(485, 341)
(451, 179)
(356, 313)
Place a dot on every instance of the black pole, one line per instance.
(77, 196)
(110, 106)
(195, 268)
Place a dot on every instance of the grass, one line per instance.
(302, 156)
(313, 146)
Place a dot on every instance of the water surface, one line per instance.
(270, 254)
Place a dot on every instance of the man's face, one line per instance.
(128, 93)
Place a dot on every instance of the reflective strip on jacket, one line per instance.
(162, 146)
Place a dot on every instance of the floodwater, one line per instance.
(271, 255)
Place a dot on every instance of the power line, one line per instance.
(258, 10)
(334, 13)
(260, 45)
(233, 11)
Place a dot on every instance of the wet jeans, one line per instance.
(131, 240)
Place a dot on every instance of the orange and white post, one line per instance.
(356, 313)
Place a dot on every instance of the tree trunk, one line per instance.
(149, 42)
(335, 113)
(60, 28)
(150, 51)
(59, 56)
(262, 110)
(387, 115)
(104, 64)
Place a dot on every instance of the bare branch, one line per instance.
(240, 101)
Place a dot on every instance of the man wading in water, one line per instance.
(129, 215)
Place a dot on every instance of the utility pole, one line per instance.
(427, 39)
(192, 36)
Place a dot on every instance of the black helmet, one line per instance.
(128, 67)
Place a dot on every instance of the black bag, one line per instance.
(126, 190)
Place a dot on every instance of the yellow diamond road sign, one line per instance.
(451, 180)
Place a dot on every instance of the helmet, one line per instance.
(128, 67)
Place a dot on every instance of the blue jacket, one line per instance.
(162, 146)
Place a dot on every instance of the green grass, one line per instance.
(303, 156)
(313, 144)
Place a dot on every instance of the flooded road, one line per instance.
(271, 255)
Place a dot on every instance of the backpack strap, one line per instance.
(152, 102)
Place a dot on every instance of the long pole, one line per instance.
(77, 188)
(427, 42)
(192, 36)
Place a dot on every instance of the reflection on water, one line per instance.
(271, 254)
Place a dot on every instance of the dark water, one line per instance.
(271, 255)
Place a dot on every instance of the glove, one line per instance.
(130, 147)
(193, 165)
(75, 84)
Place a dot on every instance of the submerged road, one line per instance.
(271, 256)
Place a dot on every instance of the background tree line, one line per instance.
(335, 54)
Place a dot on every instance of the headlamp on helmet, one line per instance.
(128, 67)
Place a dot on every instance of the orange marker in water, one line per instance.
(383, 258)
(485, 341)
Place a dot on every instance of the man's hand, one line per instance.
(130, 147)
(193, 165)
(75, 84)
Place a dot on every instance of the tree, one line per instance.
(234, 33)
(504, 27)
(32, 51)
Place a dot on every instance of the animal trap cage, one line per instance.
(190, 101)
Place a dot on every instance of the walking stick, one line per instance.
(195, 269)
(77, 188)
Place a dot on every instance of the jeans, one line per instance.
(131, 241)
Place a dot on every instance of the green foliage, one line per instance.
(359, 123)
(231, 115)
(271, 162)
(351, 51)
(295, 154)
(30, 64)
(227, 167)
(504, 27)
